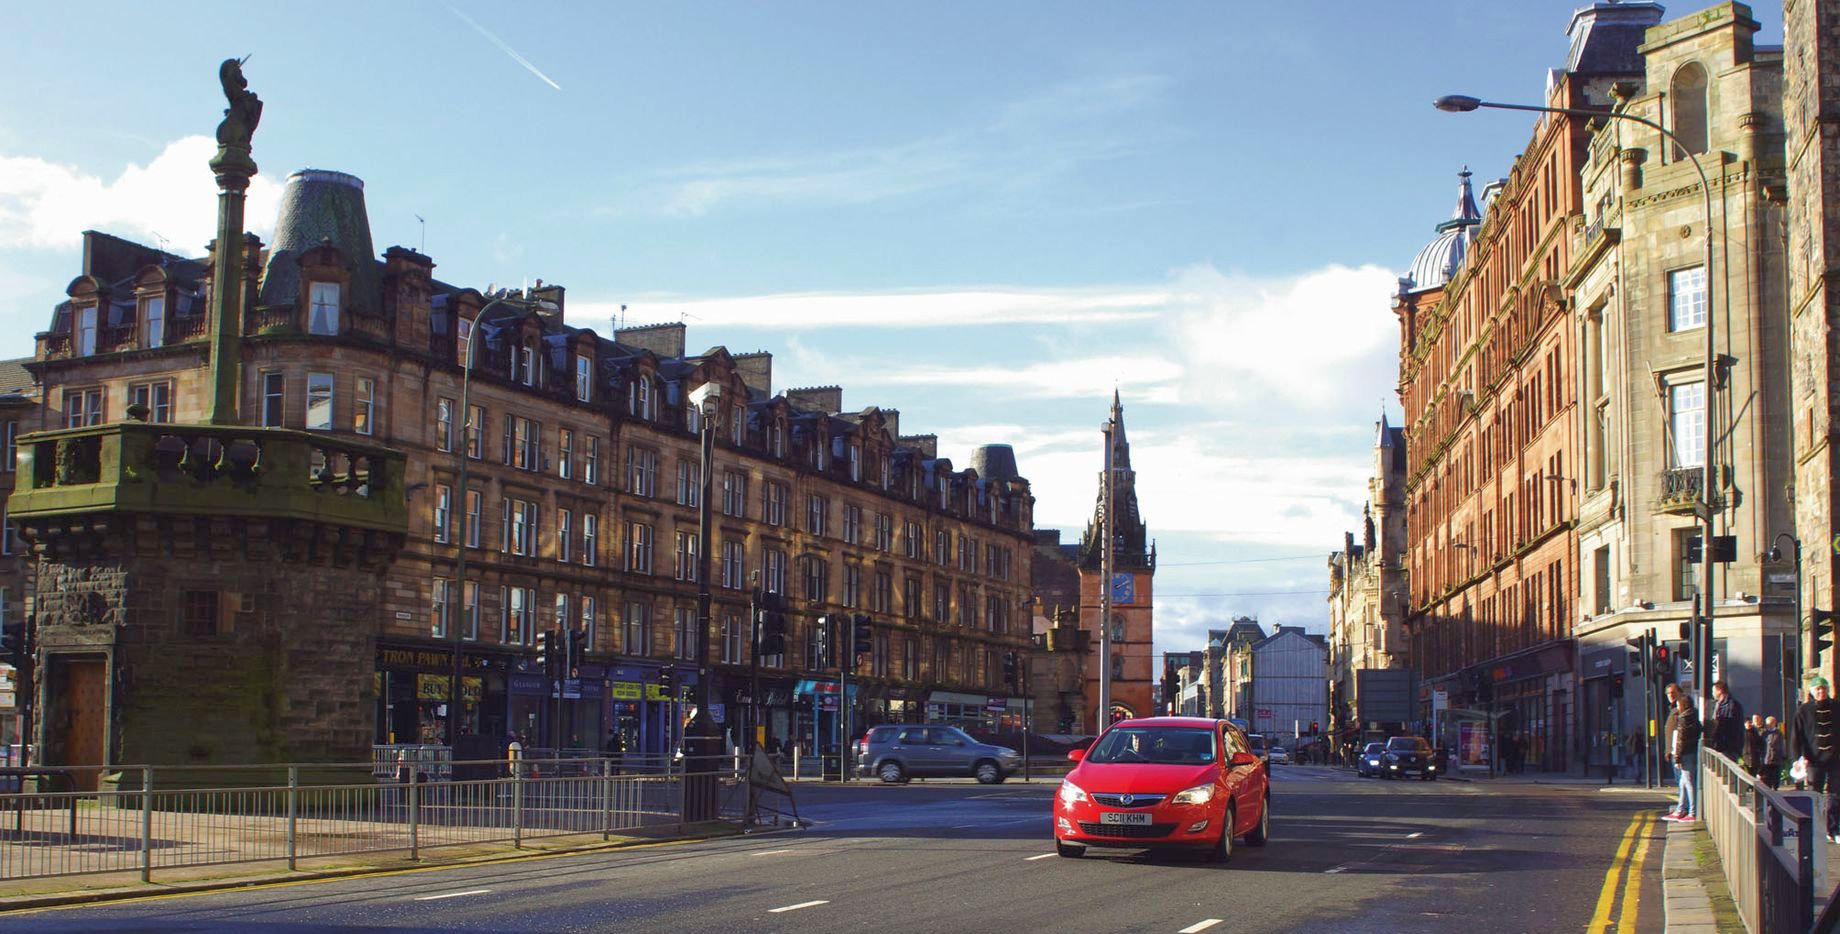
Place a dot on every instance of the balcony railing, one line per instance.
(225, 470)
(1681, 488)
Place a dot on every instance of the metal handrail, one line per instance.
(1766, 845)
(158, 817)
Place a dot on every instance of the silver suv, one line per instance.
(897, 753)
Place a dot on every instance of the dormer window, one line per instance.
(737, 425)
(86, 331)
(323, 309)
(584, 377)
(779, 440)
(527, 365)
(463, 335)
(693, 418)
(153, 322)
(855, 463)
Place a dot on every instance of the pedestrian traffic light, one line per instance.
(862, 641)
(1315, 727)
(771, 620)
(543, 650)
(1664, 664)
(1821, 626)
(1012, 674)
(1616, 685)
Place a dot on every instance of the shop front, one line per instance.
(1531, 701)
(819, 716)
(412, 686)
(740, 711)
(647, 719)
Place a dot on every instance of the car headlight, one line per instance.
(1072, 794)
(1200, 794)
(1373, 762)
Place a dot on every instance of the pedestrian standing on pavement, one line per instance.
(1775, 753)
(1816, 738)
(1753, 745)
(1683, 750)
(1727, 725)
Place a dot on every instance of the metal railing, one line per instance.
(202, 816)
(1766, 845)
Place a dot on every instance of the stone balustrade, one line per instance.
(209, 471)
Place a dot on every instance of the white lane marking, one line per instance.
(771, 852)
(430, 898)
(1042, 856)
(1415, 836)
(821, 901)
(1199, 926)
(1336, 869)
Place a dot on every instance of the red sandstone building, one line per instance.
(1486, 379)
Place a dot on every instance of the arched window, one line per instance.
(1688, 92)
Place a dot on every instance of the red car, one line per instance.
(1173, 782)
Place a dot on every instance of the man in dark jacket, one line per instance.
(1727, 721)
(1816, 738)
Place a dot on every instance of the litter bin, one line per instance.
(831, 767)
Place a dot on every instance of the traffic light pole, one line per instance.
(1027, 721)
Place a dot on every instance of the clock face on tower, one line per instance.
(1124, 588)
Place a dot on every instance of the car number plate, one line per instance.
(1122, 817)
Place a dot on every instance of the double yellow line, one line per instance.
(1630, 854)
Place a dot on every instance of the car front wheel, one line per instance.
(988, 773)
(1068, 850)
(1223, 849)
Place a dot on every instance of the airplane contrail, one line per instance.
(508, 50)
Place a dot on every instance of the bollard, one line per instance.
(795, 763)
(516, 753)
(293, 811)
(147, 823)
(415, 837)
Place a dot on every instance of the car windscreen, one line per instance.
(1159, 744)
(1376, 747)
(1402, 744)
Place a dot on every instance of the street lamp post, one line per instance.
(1795, 677)
(465, 449)
(1461, 103)
(707, 399)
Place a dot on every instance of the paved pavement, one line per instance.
(1347, 855)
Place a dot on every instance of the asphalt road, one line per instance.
(1346, 855)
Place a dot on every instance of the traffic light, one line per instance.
(1821, 626)
(1012, 675)
(1664, 664)
(543, 650)
(771, 615)
(862, 641)
(1315, 727)
(1616, 685)
(667, 679)
(827, 642)
(1638, 647)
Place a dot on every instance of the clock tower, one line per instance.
(1133, 670)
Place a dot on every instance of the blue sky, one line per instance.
(985, 215)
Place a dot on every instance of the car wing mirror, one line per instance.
(1076, 755)
(1243, 758)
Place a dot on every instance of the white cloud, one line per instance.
(46, 205)
(1312, 340)
(913, 309)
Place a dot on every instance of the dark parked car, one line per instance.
(1368, 764)
(1409, 755)
(897, 753)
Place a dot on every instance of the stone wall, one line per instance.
(285, 677)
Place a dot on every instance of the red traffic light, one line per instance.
(1661, 653)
